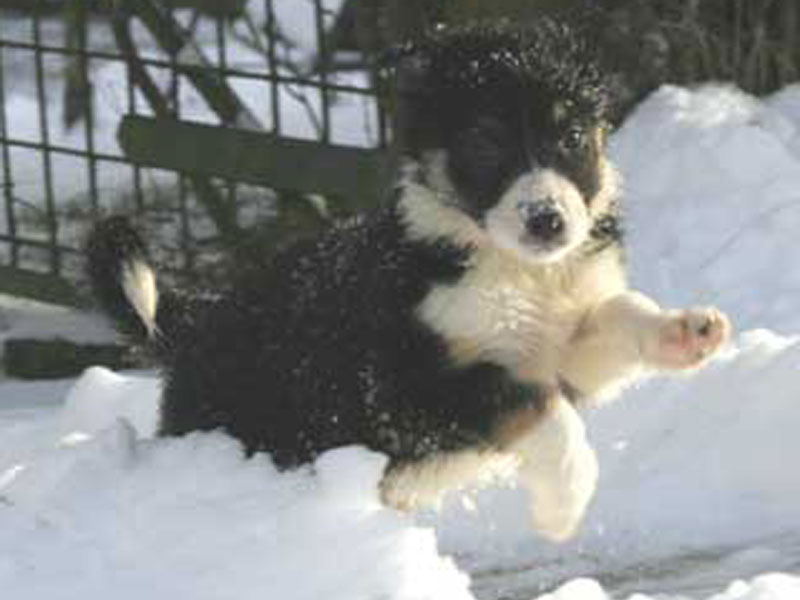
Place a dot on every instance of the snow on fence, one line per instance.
(69, 78)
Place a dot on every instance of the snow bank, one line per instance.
(100, 398)
(688, 466)
(106, 512)
(713, 196)
(693, 470)
(765, 587)
(23, 318)
(711, 449)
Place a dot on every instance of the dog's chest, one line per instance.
(506, 312)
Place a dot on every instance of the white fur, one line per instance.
(629, 335)
(507, 230)
(499, 311)
(424, 483)
(519, 314)
(139, 285)
(606, 352)
(427, 217)
(559, 469)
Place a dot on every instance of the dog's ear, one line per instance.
(409, 65)
(408, 70)
(412, 74)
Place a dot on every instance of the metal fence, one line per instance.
(67, 77)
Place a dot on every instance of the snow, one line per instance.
(24, 318)
(693, 470)
(28, 319)
(713, 192)
(106, 508)
(698, 498)
(91, 502)
(765, 587)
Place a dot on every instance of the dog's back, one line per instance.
(322, 349)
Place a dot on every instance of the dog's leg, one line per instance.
(559, 469)
(630, 333)
(421, 484)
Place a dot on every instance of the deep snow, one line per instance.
(698, 483)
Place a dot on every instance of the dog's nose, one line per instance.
(543, 220)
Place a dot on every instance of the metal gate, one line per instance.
(71, 71)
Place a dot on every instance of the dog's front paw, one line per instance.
(688, 338)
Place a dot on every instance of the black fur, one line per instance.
(112, 245)
(115, 244)
(321, 346)
(488, 97)
(322, 349)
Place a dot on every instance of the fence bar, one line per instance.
(8, 180)
(165, 64)
(185, 232)
(57, 149)
(83, 62)
(324, 89)
(222, 66)
(275, 97)
(44, 128)
(138, 193)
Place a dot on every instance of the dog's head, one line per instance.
(508, 126)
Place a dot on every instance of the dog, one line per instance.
(459, 327)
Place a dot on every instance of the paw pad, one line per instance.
(690, 337)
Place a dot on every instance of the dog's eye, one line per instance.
(573, 139)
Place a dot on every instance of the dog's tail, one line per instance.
(124, 282)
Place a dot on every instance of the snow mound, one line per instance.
(101, 397)
(109, 513)
(694, 479)
(765, 587)
(106, 508)
(712, 448)
(712, 186)
(23, 318)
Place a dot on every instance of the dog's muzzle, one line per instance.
(543, 221)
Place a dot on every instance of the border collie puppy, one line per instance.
(454, 329)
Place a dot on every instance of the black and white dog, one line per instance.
(454, 329)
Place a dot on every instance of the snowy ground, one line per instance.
(699, 495)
